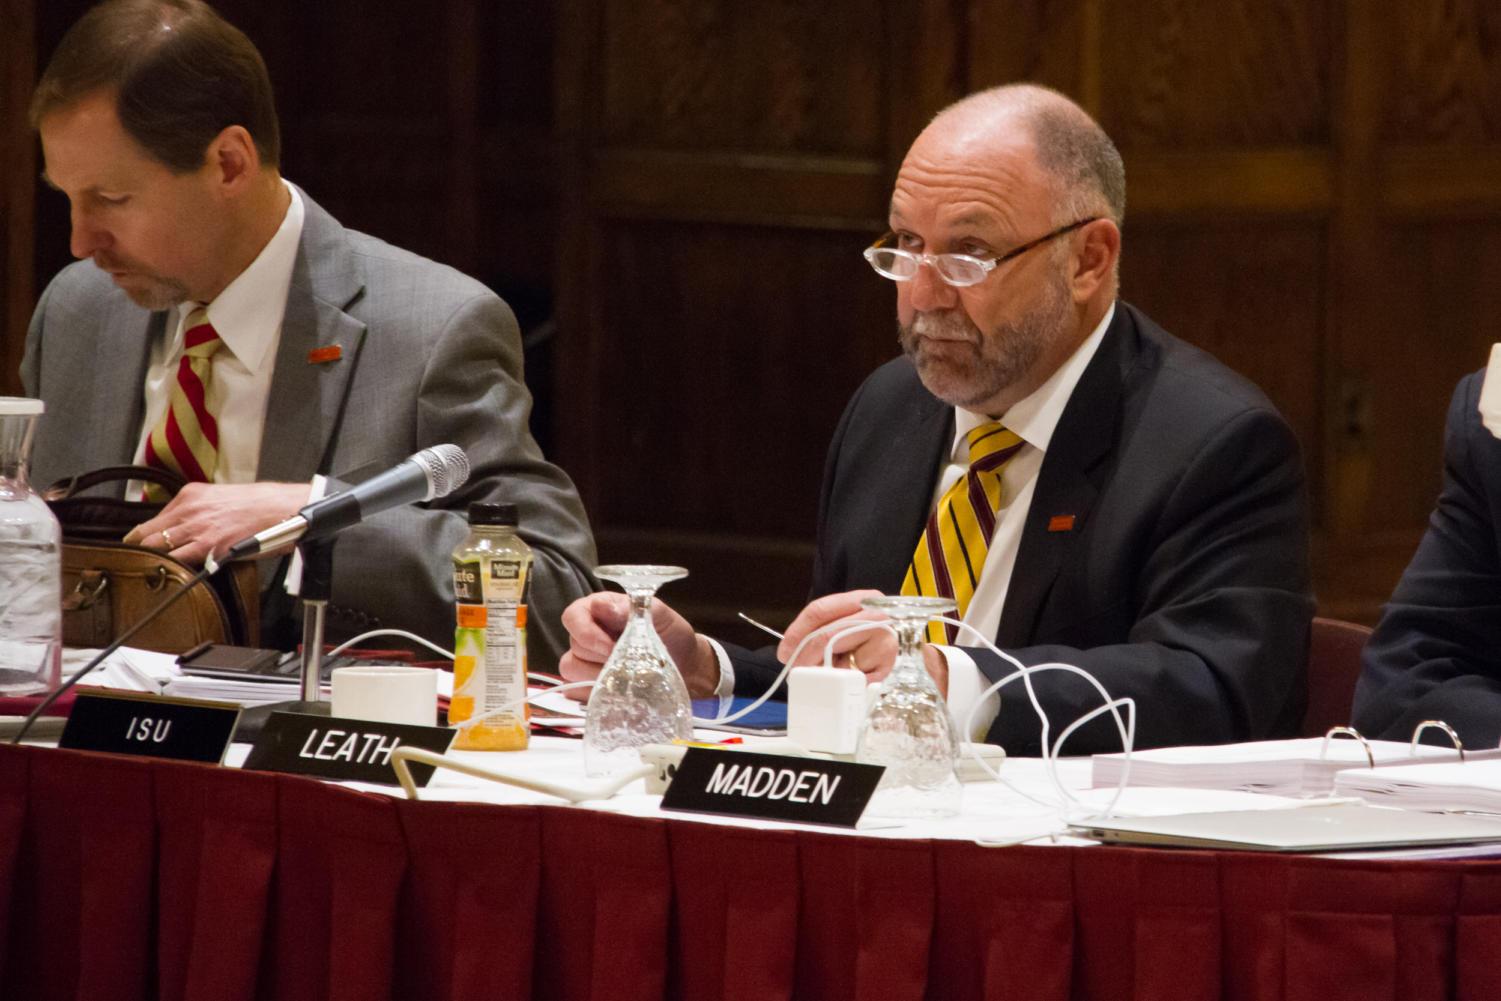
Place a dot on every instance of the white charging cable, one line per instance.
(1068, 802)
(541, 679)
(787, 667)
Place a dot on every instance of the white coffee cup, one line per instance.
(386, 693)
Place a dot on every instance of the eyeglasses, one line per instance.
(955, 269)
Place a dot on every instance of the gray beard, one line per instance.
(162, 294)
(979, 367)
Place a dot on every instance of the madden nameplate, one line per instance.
(771, 787)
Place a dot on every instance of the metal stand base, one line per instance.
(253, 720)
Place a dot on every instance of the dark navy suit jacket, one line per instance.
(1436, 653)
(1183, 581)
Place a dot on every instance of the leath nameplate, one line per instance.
(151, 725)
(771, 787)
(350, 750)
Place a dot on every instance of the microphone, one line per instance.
(432, 472)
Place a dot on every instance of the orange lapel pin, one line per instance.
(319, 356)
(1061, 523)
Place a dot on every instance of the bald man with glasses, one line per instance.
(1086, 487)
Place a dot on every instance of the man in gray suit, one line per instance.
(223, 326)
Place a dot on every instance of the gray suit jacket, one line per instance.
(428, 356)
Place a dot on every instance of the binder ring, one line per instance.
(1437, 724)
(1347, 731)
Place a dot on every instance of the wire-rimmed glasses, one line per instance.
(960, 270)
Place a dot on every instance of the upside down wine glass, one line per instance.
(907, 726)
(639, 697)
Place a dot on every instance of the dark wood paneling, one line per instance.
(1439, 303)
(806, 191)
(1242, 73)
(1248, 292)
(17, 188)
(771, 76)
(1430, 182)
(1037, 40)
(733, 353)
(1210, 184)
(1445, 72)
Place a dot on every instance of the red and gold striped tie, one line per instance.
(950, 555)
(186, 439)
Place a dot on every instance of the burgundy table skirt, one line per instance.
(133, 878)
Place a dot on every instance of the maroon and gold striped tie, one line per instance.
(186, 439)
(950, 556)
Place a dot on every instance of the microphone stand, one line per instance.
(317, 585)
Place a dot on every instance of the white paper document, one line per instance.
(1471, 785)
(1304, 766)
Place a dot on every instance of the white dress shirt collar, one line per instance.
(1035, 417)
(247, 314)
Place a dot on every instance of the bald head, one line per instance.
(1082, 164)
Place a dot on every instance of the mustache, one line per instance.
(106, 263)
(946, 326)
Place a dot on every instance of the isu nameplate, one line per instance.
(151, 725)
(349, 750)
(771, 787)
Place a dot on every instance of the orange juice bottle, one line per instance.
(490, 572)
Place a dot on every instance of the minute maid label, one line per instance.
(467, 581)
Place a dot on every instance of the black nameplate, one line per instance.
(772, 787)
(349, 750)
(153, 725)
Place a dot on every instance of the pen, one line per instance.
(760, 626)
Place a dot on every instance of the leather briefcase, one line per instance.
(109, 586)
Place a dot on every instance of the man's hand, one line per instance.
(595, 622)
(208, 518)
(871, 651)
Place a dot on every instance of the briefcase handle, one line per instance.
(78, 483)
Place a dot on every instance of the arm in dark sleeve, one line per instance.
(1436, 653)
(1215, 647)
(472, 394)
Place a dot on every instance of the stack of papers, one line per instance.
(1472, 785)
(1298, 767)
(132, 670)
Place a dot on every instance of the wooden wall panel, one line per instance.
(781, 75)
(1250, 293)
(1038, 40)
(744, 345)
(1446, 73)
(1439, 299)
(17, 189)
(1235, 73)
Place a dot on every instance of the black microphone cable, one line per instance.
(150, 617)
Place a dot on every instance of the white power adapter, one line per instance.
(825, 708)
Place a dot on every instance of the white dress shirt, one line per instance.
(247, 316)
(1033, 419)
